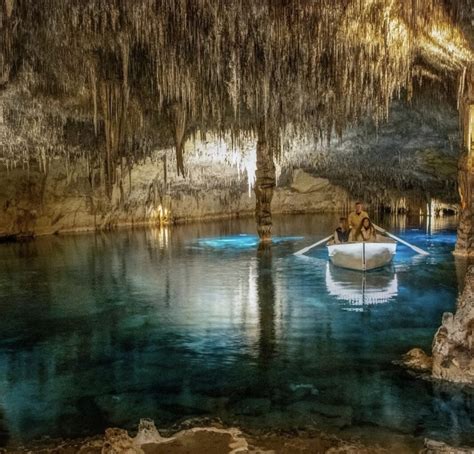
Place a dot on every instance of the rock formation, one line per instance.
(216, 439)
(438, 447)
(134, 80)
(67, 197)
(213, 439)
(55, 203)
(453, 345)
(418, 360)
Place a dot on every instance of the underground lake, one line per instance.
(198, 321)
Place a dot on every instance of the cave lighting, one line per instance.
(216, 150)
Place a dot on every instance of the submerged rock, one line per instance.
(253, 407)
(322, 413)
(453, 344)
(301, 390)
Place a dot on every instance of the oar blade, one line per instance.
(308, 248)
(406, 243)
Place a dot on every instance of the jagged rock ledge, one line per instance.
(217, 439)
(33, 204)
(212, 439)
(453, 345)
(40, 205)
(437, 447)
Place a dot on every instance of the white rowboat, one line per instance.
(362, 256)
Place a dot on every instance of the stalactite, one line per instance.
(313, 69)
(115, 103)
(165, 170)
(338, 48)
(9, 7)
(178, 118)
(93, 81)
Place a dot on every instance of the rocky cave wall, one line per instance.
(415, 152)
(453, 344)
(38, 204)
(401, 164)
(93, 93)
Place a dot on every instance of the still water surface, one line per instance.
(102, 330)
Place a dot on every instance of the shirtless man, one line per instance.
(355, 218)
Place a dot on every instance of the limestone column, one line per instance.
(265, 181)
(465, 239)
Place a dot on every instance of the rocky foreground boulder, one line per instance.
(453, 344)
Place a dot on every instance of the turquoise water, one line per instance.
(102, 330)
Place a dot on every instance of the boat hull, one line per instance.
(362, 256)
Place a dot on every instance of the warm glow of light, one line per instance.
(446, 46)
(220, 151)
(159, 215)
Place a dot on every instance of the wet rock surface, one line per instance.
(38, 204)
(55, 193)
(438, 447)
(453, 344)
(417, 360)
(216, 439)
(213, 439)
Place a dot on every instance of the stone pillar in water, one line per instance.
(465, 240)
(265, 181)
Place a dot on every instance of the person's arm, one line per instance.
(336, 237)
(350, 221)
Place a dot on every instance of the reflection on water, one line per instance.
(103, 330)
(4, 436)
(362, 289)
(239, 242)
(428, 224)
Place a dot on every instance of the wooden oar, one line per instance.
(406, 243)
(306, 249)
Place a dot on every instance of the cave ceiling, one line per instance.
(113, 80)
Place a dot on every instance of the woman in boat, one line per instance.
(341, 234)
(365, 232)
